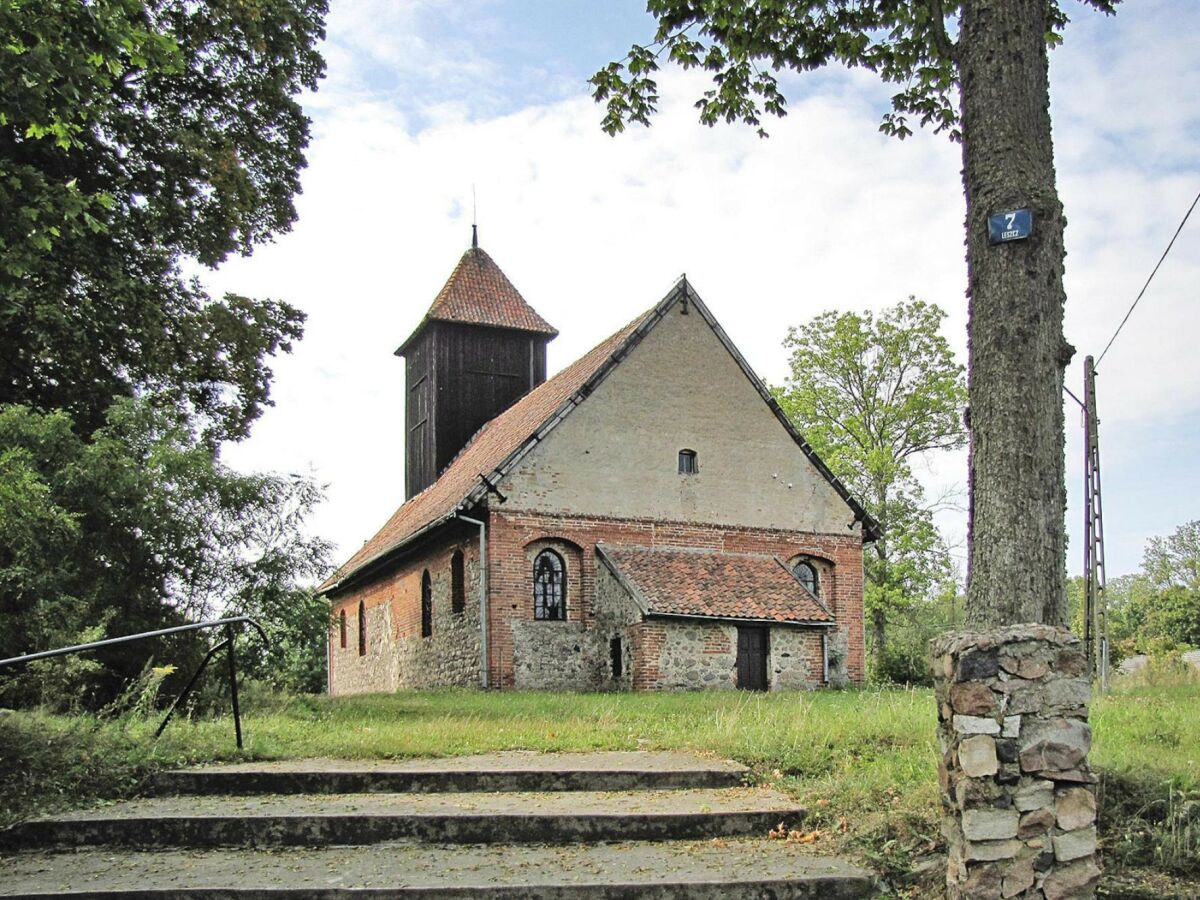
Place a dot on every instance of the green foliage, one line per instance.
(746, 44)
(871, 394)
(151, 529)
(134, 133)
(905, 657)
(1157, 610)
(297, 623)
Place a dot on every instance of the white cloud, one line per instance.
(826, 214)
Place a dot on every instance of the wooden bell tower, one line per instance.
(479, 349)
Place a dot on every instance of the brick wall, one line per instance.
(515, 537)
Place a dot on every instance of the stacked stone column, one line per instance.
(1018, 797)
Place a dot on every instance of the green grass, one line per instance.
(867, 756)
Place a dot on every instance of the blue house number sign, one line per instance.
(1014, 225)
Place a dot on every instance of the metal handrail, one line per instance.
(228, 624)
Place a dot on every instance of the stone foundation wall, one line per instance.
(554, 656)
(1018, 797)
(797, 661)
(698, 656)
(398, 656)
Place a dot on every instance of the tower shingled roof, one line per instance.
(478, 293)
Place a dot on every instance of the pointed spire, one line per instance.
(478, 293)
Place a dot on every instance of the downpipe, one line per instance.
(484, 623)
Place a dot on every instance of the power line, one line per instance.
(1148, 280)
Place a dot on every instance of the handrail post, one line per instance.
(237, 714)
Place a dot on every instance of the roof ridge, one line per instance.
(492, 446)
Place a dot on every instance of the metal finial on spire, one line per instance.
(474, 221)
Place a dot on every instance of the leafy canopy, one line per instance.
(871, 394)
(135, 134)
(139, 526)
(746, 44)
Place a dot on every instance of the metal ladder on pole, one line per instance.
(1095, 606)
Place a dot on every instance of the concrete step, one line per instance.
(702, 870)
(508, 771)
(326, 819)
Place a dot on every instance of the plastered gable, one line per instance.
(616, 454)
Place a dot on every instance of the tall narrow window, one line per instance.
(362, 629)
(614, 651)
(687, 462)
(342, 629)
(549, 587)
(458, 590)
(426, 605)
(807, 574)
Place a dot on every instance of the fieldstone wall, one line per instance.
(839, 655)
(698, 656)
(616, 613)
(1018, 797)
(796, 661)
(397, 655)
(554, 656)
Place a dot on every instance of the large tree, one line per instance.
(136, 134)
(140, 526)
(977, 69)
(872, 395)
(139, 138)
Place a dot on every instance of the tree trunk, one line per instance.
(878, 639)
(1017, 353)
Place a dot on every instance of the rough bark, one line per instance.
(1017, 353)
(878, 639)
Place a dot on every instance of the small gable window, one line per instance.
(362, 629)
(458, 590)
(807, 573)
(549, 587)
(426, 605)
(687, 462)
(342, 628)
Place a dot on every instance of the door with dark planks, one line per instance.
(752, 658)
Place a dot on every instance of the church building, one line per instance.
(647, 519)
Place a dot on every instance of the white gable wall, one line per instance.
(616, 454)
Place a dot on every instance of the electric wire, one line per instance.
(1148, 280)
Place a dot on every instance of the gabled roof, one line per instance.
(712, 584)
(478, 293)
(501, 443)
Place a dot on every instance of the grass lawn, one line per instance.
(863, 761)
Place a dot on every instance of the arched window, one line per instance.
(342, 628)
(807, 573)
(687, 462)
(458, 590)
(426, 605)
(362, 629)
(549, 587)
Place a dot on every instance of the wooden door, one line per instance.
(752, 658)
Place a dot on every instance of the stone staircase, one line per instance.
(508, 825)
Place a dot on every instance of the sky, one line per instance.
(432, 109)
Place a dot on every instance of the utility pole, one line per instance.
(1095, 614)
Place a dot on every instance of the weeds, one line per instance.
(863, 762)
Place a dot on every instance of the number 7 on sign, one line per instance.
(1009, 220)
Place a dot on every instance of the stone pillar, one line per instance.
(1018, 798)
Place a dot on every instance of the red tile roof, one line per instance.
(478, 293)
(713, 583)
(490, 446)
